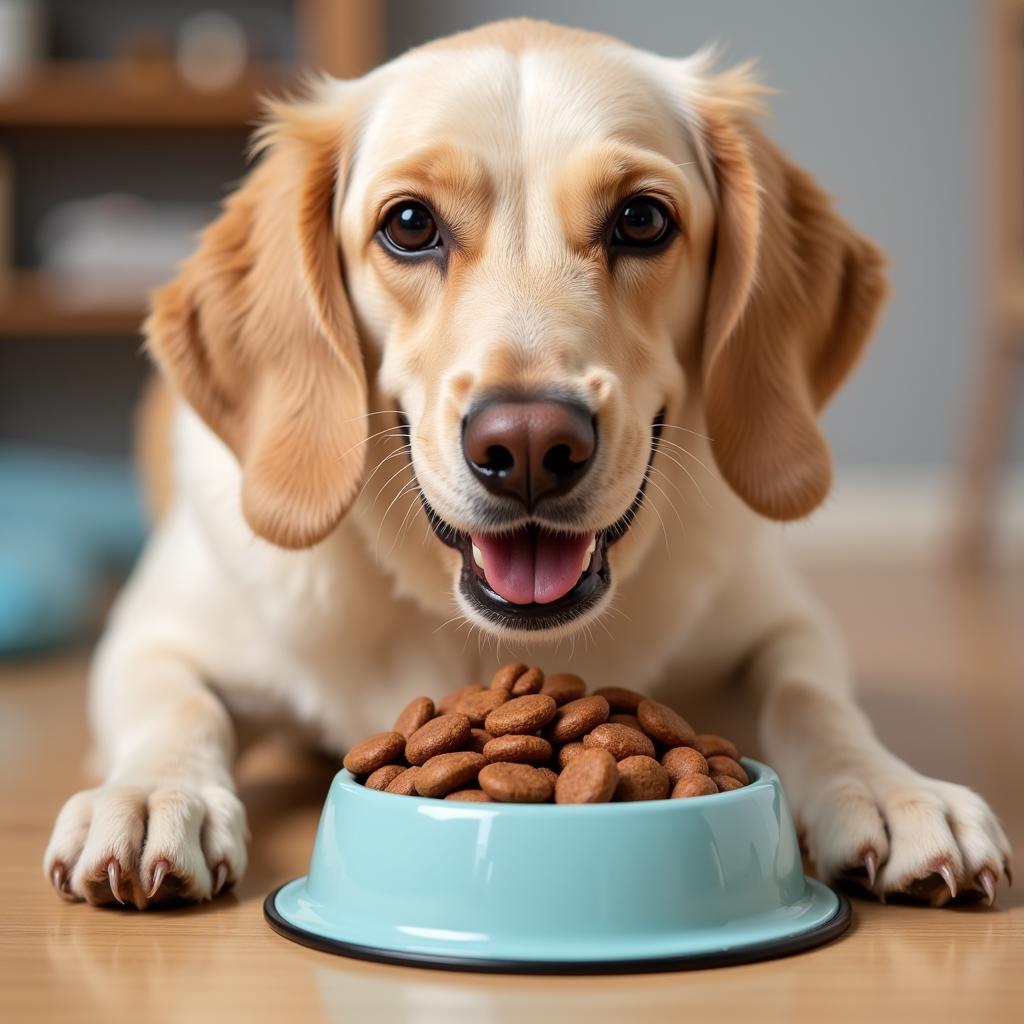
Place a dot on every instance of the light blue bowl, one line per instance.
(536, 888)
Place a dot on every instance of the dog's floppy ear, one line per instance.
(794, 295)
(257, 334)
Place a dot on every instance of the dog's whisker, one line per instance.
(686, 451)
(383, 487)
(448, 622)
(367, 440)
(654, 509)
(686, 430)
(668, 480)
(691, 477)
(376, 412)
(670, 457)
(402, 527)
(406, 489)
(668, 499)
(400, 451)
(600, 621)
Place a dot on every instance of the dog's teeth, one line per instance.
(478, 556)
(585, 562)
(592, 546)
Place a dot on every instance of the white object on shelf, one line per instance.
(21, 40)
(110, 250)
(212, 51)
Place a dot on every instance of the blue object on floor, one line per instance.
(542, 889)
(67, 520)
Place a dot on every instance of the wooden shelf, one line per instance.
(102, 94)
(27, 307)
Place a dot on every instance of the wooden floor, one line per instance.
(942, 669)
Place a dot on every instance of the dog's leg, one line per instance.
(165, 824)
(863, 812)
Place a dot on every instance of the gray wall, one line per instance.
(879, 99)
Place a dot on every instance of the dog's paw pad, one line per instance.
(145, 846)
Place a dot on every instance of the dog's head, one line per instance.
(519, 256)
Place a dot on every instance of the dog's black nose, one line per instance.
(529, 449)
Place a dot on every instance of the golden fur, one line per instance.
(293, 582)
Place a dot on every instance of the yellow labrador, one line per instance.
(526, 332)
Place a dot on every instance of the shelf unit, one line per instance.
(94, 94)
(27, 307)
(343, 37)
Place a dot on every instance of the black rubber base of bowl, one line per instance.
(826, 932)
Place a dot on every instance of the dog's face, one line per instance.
(536, 248)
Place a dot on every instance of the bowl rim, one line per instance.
(761, 777)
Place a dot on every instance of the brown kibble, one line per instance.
(530, 681)
(477, 706)
(680, 761)
(447, 703)
(478, 739)
(374, 752)
(439, 736)
(661, 723)
(515, 783)
(564, 687)
(518, 679)
(719, 765)
(577, 718)
(383, 777)
(621, 699)
(622, 718)
(527, 737)
(693, 785)
(726, 782)
(711, 745)
(445, 773)
(404, 784)
(590, 778)
(521, 715)
(641, 778)
(416, 713)
(518, 749)
(619, 740)
(507, 675)
(569, 751)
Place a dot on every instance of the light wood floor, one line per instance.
(942, 669)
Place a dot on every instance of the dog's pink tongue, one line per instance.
(532, 567)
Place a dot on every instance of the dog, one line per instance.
(524, 334)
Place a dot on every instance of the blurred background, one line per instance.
(122, 125)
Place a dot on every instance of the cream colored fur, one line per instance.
(293, 581)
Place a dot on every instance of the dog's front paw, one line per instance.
(898, 833)
(147, 845)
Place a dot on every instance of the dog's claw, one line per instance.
(59, 876)
(987, 880)
(949, 878)
(871, 867)
(114, 879)
(221, 877)
(159, 873)
(1008, 871)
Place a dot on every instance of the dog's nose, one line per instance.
(529, 449)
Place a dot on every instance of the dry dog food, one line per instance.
(531, 738)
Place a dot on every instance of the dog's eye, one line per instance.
(410, 227)
(642, 223)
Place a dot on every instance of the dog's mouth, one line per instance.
(533, 577)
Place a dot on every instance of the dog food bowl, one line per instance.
(536, 888)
